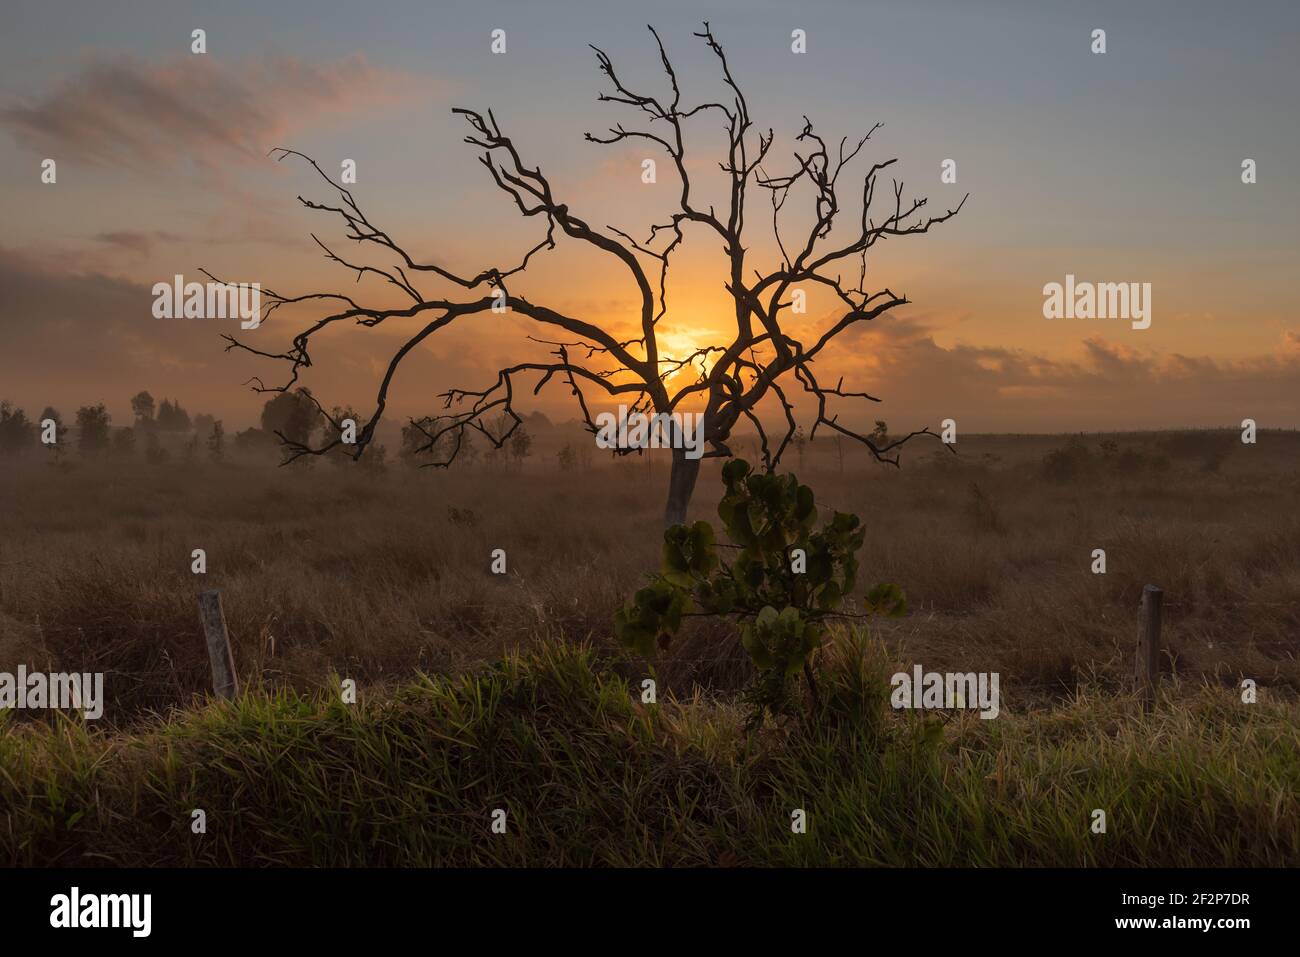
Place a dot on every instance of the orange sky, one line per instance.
(1123, 167)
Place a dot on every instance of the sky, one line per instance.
(1123, 166)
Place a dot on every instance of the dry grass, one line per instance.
(330, 570)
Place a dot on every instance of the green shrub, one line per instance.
(785, 582)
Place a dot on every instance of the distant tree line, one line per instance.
(163, 429)
(95, 435)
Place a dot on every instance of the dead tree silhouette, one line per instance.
(590, 359)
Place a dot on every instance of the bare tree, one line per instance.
(729, 380)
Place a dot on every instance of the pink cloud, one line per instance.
(126, 112)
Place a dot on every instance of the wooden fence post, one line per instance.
(224, 681)
(1148, 655)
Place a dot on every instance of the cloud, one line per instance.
(135, 240)
(73, 337)
(1290, 345)
(148, 116)
(1102, 384)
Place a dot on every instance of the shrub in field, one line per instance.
(462, 516)
(1073, 461)
(786, 580)
(1130, 461)
(983, 511)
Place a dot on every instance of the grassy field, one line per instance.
(588, 775)
(332, 572)
(325, 570)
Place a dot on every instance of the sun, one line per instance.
(681, 342)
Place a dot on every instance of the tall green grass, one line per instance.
(590, 776)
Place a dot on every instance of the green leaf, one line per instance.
(805, 506)
(630, 632)
(735, 470)
(673, 559)
(828, 598)
(752, 641)
(704, 555)
(887, 600)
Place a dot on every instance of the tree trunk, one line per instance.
(681, 483)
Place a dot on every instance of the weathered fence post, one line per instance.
(224, 681)
(1148, 655)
